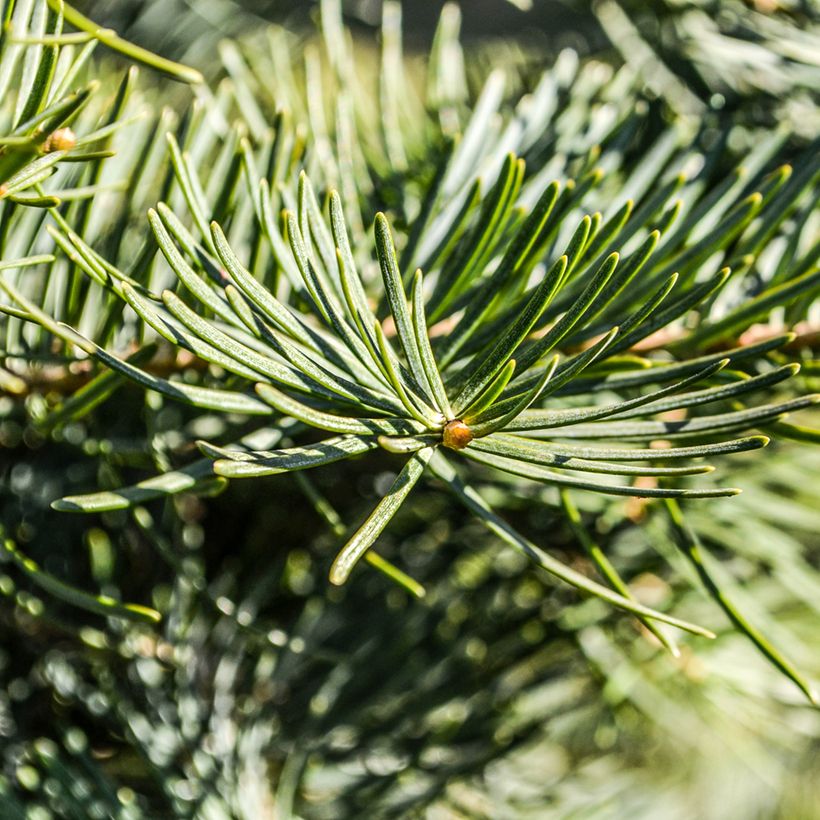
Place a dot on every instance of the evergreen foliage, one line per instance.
(498, 303)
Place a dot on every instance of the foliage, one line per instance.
(578, 285)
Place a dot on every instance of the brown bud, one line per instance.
(63, 139)
(457, 435)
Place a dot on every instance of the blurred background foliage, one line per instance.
(266, 693)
